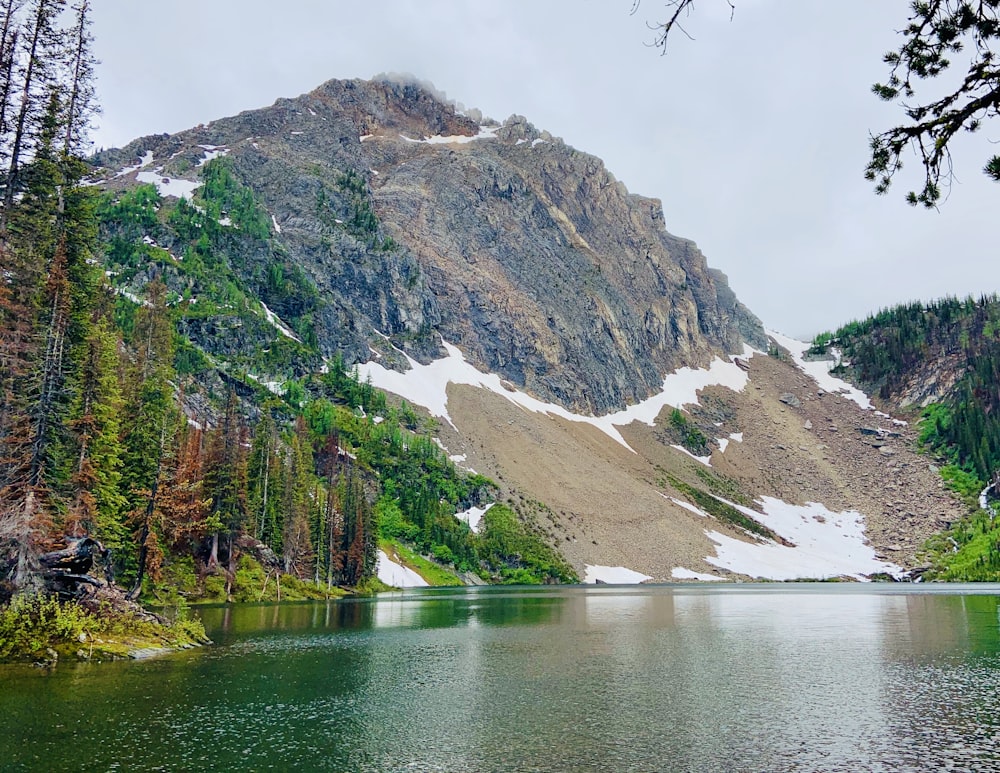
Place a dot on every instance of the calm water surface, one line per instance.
(681, 678)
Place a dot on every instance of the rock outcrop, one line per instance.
(420, 223)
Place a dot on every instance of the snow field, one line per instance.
(826, 544)
(396, 575)
(169, 186)
(426, 386)
(473, 516)
(613, 575)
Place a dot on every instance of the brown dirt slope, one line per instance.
(605, 505)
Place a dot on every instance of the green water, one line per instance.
(734, 678)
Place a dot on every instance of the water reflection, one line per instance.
(600, 679)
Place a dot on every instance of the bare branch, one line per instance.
(663, 29)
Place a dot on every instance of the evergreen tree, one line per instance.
(298, 552)
(9, 31)
(80, 102)
(97, 501)
(226, 483)
(151, 425)
(335, 554)
(360, 531)
(42, 55)
(264, 475)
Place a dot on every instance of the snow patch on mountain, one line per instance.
(212, 151)
(473, 516)
(169, 186)
(613, 575)
(397, 575)
(427, 385)
(819, 370)
(824, 544)
(278, 325)
(687, 506)
(706, 460)
(485, 133)
(146, 160)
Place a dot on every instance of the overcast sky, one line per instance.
(754, 135)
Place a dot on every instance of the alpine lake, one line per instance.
(754, 677)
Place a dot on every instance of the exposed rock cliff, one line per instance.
(419, 223)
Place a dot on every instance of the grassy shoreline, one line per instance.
(42, 630)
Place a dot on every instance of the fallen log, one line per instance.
(67, 571)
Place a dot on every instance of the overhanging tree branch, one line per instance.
(935, 31)
(663, 29)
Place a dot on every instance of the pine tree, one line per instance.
(226, 483)
(9, 31)
(152, 420)
(264, 475)
(335, 539)
(335, 553)
(360, 534)
(55, 223)
(298, 552)
(97, 501)
(319, 532)
(80, 102)
(43, 52)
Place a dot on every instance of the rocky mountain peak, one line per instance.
(418, 223)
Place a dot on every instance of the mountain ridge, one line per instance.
(533, 258)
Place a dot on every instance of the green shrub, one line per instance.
(964, 483)
(516, 552)
(214, 587)
(30, 626)
(251, 581)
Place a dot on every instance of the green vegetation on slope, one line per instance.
(722, 510)
(884, 351)
(960, 338)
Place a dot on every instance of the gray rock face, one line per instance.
(525, 253)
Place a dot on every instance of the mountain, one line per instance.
(416, 222)
(559, 341)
